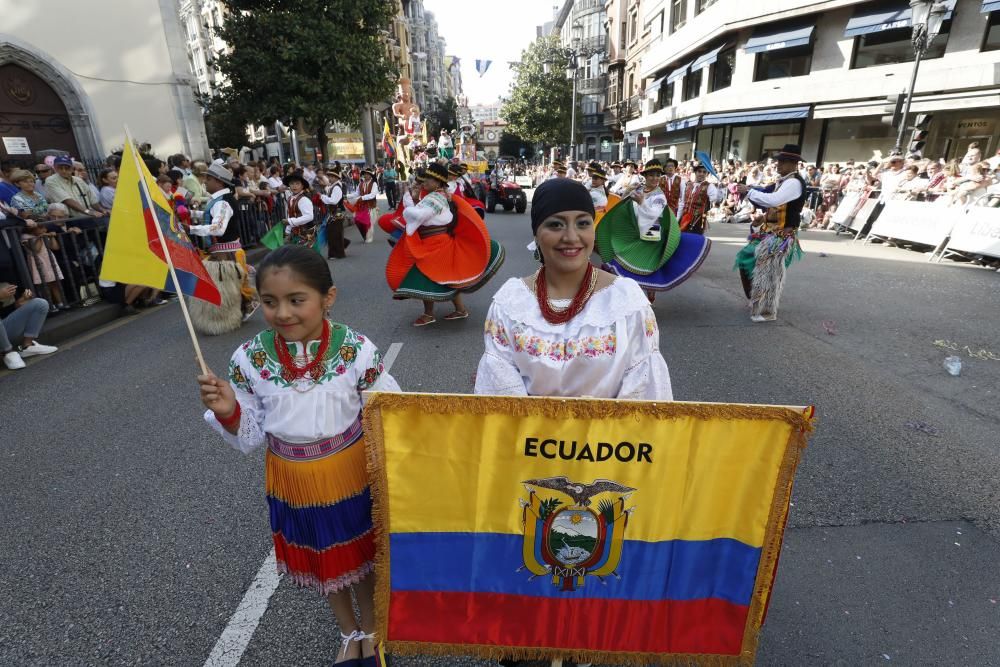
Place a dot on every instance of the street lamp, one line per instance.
(927, 17)
(572, 69)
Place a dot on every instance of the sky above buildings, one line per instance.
(496, 30)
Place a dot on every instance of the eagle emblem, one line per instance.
(573, 530)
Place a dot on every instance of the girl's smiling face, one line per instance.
(291, 306)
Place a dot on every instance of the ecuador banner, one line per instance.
(134, 254)
(602, 531)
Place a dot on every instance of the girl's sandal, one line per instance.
(424, 320)
(345, 640)
(457, 315)
(377, 660)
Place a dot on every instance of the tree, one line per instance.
(223, 127)
(511, 144)
(444, 117)
(541, 97)
(318, 61)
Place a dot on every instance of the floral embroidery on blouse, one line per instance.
(259, 351)
(497, 332)
(237, 377)
(567, 350)
(650, 324)
(372, 373)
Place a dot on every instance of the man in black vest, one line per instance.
(773, 245)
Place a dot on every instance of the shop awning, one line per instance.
(770, 38)
(990, 6)
(758, 116)
(708, 58)
(652, 88)
(678, 73)
(867, 20)
(683, 123)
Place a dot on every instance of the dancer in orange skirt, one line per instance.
(445, 251)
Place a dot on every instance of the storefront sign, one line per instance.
(16, 146)
(977, 233)
(914, 221)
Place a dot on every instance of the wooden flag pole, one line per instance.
(166, 255)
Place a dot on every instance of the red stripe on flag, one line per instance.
(707, 626)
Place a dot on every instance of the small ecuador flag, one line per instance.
(134, 254)
(388, 142)
(591, 530)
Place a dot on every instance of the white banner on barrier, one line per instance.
(846, 208)
(977, 233)
(916, 221)
(858, 223)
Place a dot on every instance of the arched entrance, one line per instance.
(41, 103)
(32, 115)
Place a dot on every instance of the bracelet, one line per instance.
(232, 420)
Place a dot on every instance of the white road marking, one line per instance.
(236, 637)
(233, 642)
(390, 356)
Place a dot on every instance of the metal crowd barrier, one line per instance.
(78, 256)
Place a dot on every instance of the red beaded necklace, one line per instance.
(293, 372)
(563, 315)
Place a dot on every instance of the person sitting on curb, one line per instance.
(21, 318)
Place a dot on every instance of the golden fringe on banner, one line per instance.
(801, 419)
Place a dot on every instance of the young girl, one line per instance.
(296, 388)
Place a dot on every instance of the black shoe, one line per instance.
(129, 309)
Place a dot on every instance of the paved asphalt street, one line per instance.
(131, 532)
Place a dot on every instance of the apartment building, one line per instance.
(582, 27)
(430, 76)
(199, 19)
(741, 79)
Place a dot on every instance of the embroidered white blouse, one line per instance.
(431, 211)
(648, 213)
(611, 349)
(301, 411)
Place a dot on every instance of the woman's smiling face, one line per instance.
(566, 240)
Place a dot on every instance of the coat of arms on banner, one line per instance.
(573, 530)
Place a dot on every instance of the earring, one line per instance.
(537, 254)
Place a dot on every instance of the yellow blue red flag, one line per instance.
(388, 142)
(134, 253)
(598, 531)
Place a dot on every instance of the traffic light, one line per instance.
(617, 135)
(921, 128)
(893, 110)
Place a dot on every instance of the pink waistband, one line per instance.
(318, 449)
(231, 246)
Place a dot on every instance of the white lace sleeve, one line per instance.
(497, 374)
(250, 434)
(647, 377)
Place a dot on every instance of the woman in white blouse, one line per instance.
(571, 329)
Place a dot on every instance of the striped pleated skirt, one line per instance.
(321, 511)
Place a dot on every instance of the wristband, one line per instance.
(232, 420)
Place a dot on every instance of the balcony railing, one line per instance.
(582, 7)
(595, 44)
(594, 84)
(593, 121)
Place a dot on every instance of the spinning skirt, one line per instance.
(689, 255)
(438, 265)
(321, 511)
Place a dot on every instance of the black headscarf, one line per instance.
(558, 195)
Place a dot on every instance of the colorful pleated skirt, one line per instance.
(321, 511)
(657, 266)
(435, 265)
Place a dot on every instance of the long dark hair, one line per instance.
(307, 264)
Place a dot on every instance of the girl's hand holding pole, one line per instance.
(218, 396)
